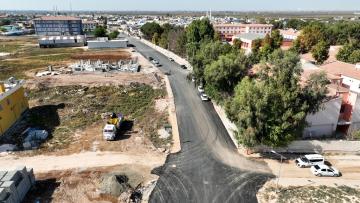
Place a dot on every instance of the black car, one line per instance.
(151, 58)
(183, 67)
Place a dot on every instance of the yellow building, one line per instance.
(13, 103)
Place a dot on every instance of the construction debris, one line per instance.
(100, 66)
(33, 138)
(7, 148)
(15, 184)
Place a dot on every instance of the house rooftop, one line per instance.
(242, 24)
(342, 68)
(250, 36)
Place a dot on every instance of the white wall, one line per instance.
(353, 83)
(107, 44)
(168, 53)
(325, 121)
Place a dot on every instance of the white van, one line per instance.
(310, 160)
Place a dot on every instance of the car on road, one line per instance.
(204, 97)
(309, 160)
(155, 61)
(151, 58)
(171, 59)
(183, 67)
(157, 64)
(201, 89)
(324, 170)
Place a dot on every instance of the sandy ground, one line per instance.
(84, 160)
(348, 165)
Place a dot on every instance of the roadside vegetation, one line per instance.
(313, 194)
(269, 106)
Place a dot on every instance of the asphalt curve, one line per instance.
(208, 168)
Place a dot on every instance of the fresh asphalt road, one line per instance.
(208, 168)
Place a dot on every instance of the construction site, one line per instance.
(97, 123)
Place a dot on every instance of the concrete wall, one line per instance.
(107, 44)
(168, 53)
(324, 122)
(318, 146)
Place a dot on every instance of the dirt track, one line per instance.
(84, 160)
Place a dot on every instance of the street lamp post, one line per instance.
(281, 161)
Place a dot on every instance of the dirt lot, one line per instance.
(84, 185)
(70, 164)
(113, 55)
(25, 56)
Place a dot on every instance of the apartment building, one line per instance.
(89, 26)
(58, 25)
(227, 31)
(13, 103)
(341, 112)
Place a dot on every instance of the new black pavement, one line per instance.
(198, 173)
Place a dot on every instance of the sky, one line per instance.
(180, 5)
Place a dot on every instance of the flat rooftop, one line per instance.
(51, 18)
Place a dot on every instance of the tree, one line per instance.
(224, 73)
(320, 52)
(114, 34)
(5, 22)
(199, 30)
(277, 39)
(271, 109)
(164, 42)
(237, 43)
(310, 36)
(355, 56)
(205, 55)
(350, 52)
(149, 29)
(100, 31)
(180, 44)
(155, 39)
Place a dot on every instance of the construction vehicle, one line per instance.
(112, 126)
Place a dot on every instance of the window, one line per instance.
(1, 108)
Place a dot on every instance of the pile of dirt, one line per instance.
(114, 184)
(104, 56)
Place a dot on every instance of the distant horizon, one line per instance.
(182, 5)
(171, 11)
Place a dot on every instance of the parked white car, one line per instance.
(201, 89)
(204, 97)
(310, 160)
(324, 170)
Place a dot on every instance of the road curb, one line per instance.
(176, 147)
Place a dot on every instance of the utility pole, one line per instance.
(278, 178)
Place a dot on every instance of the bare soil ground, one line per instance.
(270, 193)
(82, 185)
(114, 55)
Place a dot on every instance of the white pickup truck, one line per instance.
(113, 126)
